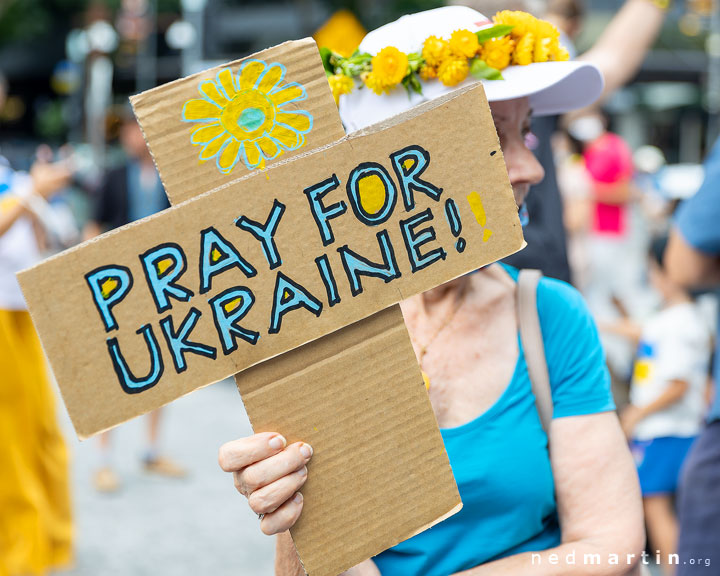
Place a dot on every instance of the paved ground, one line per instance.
(156, 526)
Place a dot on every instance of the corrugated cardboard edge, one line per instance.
(137, 99)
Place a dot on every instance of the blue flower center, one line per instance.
(251, 119)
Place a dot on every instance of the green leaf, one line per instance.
(412, 84)
(497, 31)
(325, 55)
(479, 69)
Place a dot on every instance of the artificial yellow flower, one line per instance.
(372, 82)
(389, 67)
(464, 43)
(428, 72)
(497, 52)
(547, 41)
(542, 51)
(562, 55)
(340, 84)
(435, 51)
(453, 71)
(524, 50)
(522, 22)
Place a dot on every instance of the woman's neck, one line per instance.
(450, 291)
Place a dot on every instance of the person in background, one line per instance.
(667, 399)
(693, 261)
(128, 193)
(567, 16)
(615, 272)
(618, 53)
(36, 530)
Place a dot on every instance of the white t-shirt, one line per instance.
(675, 345)
(18, 246)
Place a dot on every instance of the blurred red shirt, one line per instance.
(608, 161)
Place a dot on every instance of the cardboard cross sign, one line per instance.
(283, 259)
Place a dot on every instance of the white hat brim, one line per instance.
(552, 87)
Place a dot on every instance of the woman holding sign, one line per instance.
(526, 509)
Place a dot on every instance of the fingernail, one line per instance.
(302, 472)
(297, 498)
(277, 442)
(306, 450)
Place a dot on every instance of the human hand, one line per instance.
(47, 178)
(629, 419)
(269, 474)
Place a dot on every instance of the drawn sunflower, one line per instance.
(243, 116)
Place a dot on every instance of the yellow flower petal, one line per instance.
(249, 73)
(210, 89)
(229, 156)
(287, 93)
(225, 77)
(213, 147)
(452, 72)
(204, 134)
(268, 147)
(300, 122)
(524, 47)
(252, 154)
(288, 139)
(269, 80)
(390, 66)
(464, 43)
(200, 110)
(435, 50)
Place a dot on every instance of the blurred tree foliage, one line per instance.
(27, 20)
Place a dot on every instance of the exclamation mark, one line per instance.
(453, 218)
(478, 209)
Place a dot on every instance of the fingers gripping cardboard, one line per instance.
(331, 232)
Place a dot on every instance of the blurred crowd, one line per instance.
(632, 231)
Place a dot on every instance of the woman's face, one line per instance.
(512, 122)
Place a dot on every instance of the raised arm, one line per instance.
(688, 266)
(46, 180)
(599, 505)
(622, 47)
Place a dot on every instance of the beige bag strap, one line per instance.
(532, 342)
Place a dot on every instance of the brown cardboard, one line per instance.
(160, 113)
(317, 393)
(379, 473)
(73, 333)
(463, 160)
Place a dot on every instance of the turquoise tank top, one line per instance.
(500, 459)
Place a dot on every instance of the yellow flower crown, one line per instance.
(515, 38)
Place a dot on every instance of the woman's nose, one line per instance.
(522, 166)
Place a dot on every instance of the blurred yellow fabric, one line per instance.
(342, 33)
(35, 515)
